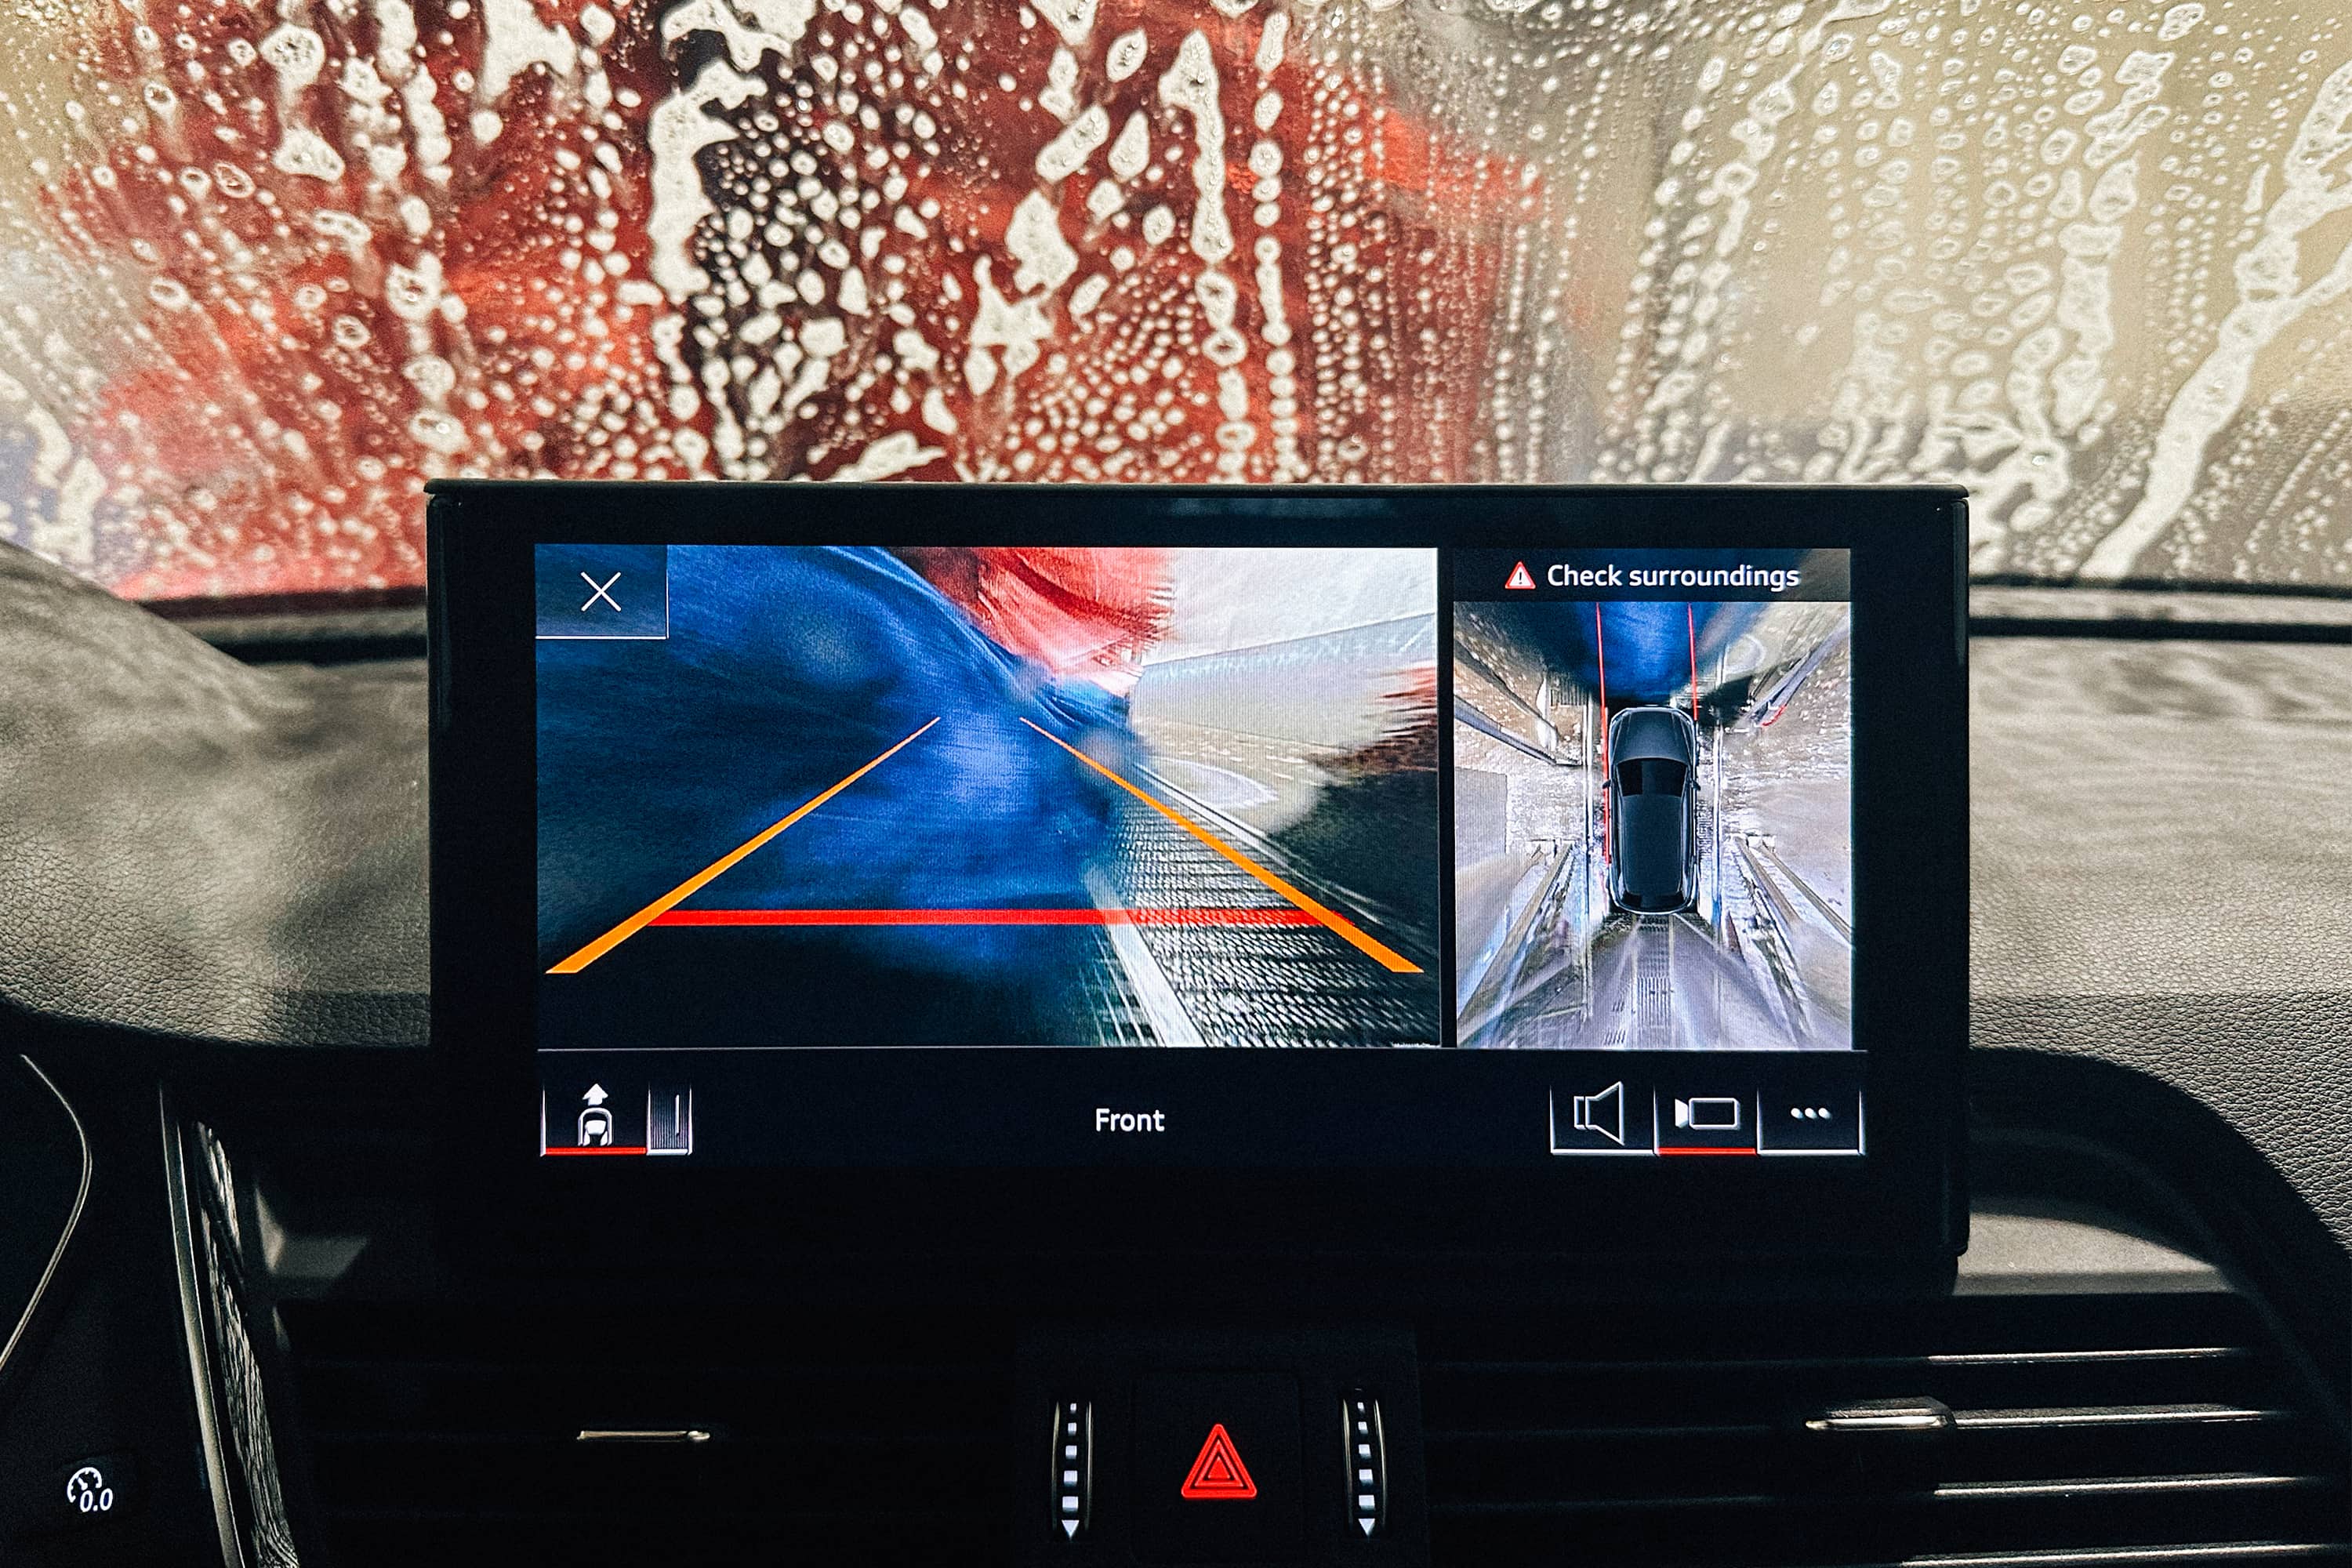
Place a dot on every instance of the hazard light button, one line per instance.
(1218, 1468)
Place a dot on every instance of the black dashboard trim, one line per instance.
(21, 1332)
(192, 1322)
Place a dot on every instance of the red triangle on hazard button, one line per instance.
(1219, 1471)
(1518, 577)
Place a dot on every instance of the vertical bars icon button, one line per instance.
(669, 1118)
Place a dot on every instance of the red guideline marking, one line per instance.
(695, 884)
(1331, 920)
(1219, 1472)
(599, 1149)
(1601, 660)
(1706, 1151)
(1690, 619)
(1255, 915)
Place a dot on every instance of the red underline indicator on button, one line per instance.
(1250, 915)
(599, 1149)
(1671, 1150)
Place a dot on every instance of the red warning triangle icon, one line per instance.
(1518, 577)
(1219, 1471)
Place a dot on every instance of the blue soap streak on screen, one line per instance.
(786, 668)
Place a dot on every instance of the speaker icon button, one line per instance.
(1614, 1118)
(1604, 1113)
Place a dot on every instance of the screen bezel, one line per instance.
(1902, 1199)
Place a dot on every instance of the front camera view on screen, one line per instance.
(1652, 807)
(795, 796)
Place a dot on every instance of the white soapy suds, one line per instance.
(1034, 239)
(1191, 85)
(395, 62)
(436, 432)
(824, 336)
(69, 535)
(892, 455)
(2058, 258)
(1060, 98)
(303, 151)
(414, 292)
(2180, 21)
(915, 350)
(1270, 41)
(2115, 132)
(1125, 56)
(515, 40)
(2087, 296)
(1016, 326)
(1073, 19)
(362, 86)
(1133, 148)
(432, 376)
(682, 126)
(295, 54)
(52, 447)
(774, 27)
(2314, 185)
(1067, 152)
(347, 227)
(920, 33)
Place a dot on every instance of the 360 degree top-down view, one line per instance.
(1652, 853)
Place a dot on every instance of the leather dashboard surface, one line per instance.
(195, 848)
(2161, 876)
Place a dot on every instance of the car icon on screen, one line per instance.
(1652, 811)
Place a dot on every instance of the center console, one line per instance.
(1104, 896)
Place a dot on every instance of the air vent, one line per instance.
(2036, 1432)
(716, 1437)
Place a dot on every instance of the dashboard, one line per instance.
(304, 1276)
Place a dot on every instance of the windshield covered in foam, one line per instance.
(270, 268)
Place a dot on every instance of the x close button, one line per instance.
(1217, 1467)
(609, 592)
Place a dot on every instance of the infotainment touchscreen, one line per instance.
(933, 827)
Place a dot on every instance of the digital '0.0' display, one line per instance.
(799, 795)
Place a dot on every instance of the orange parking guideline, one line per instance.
(1337, 925)
(687, 889)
